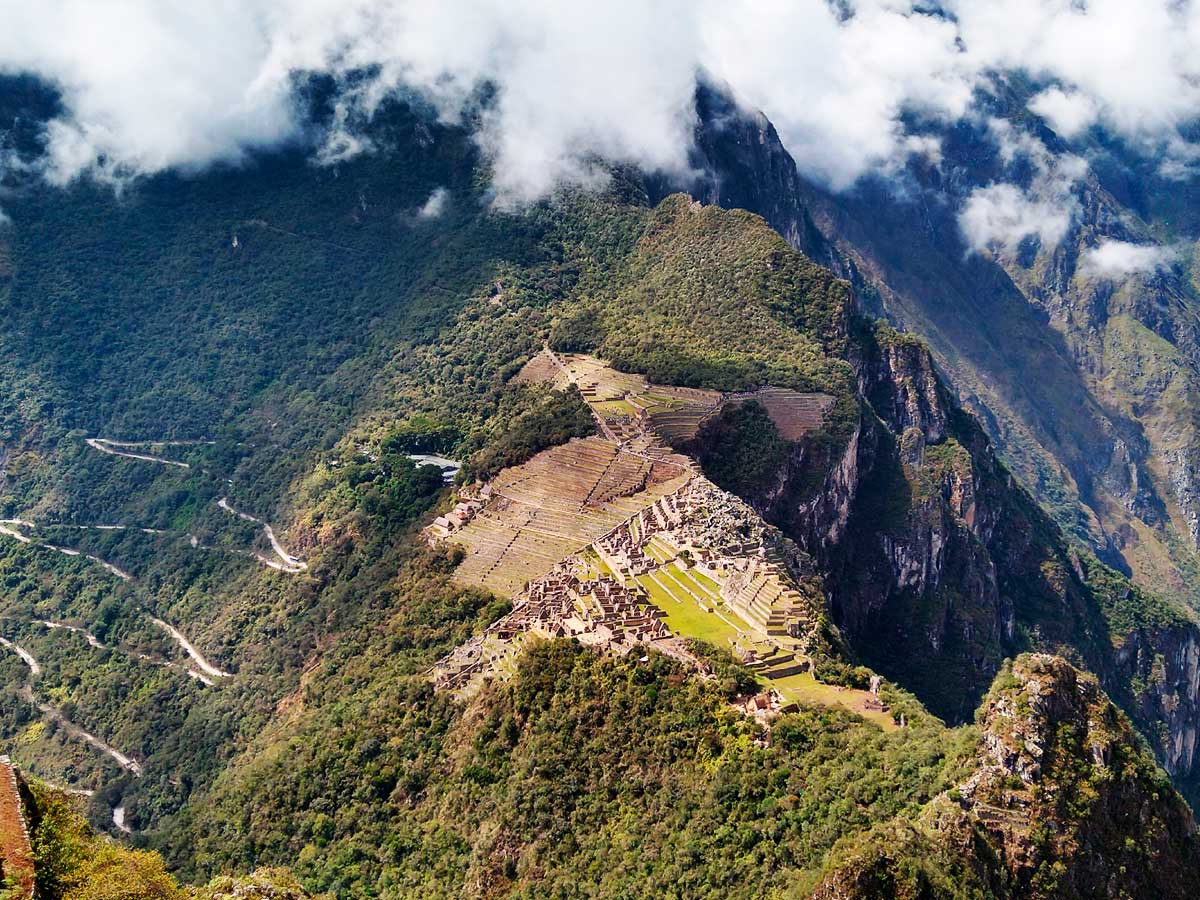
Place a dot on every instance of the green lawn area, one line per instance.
(713, 587)
(658, 551)
(688, 579)
(685, 617)
(665, 399)
(806, 690)
(596, 566)
(608, 408)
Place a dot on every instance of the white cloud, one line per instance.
(835, 89)
(1134, 63)
(1000, 216)
(149, 84)
(1113, 259)
(435, 205)
(1067, 112)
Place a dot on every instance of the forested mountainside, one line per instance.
(221, 617)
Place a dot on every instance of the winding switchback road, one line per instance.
(91, 638)
(188, 648)
(289, 563)
(6, 527)
(206, 671)
(73, 730)
(123, 448)
(26, 656)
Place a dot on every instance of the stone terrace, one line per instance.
(16, 852)
(701, 549)
(555, 504)
(603, 539)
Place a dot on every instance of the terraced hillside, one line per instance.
(674, 559)
(323, 353)
(559, 501)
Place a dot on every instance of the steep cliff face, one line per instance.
(937, 564)
(741, 164)
(1162, 667)
(980, 572)
(1056, 788)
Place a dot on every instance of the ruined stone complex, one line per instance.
(621, 543)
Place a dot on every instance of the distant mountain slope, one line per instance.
(1086, 381)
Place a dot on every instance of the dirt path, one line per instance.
(92, 640)
(6, 527)
(26, 656)
(188, 648)
(111, 528)
(125, 762)
(26, 693)
(71, 551)
(289, 563)
(120, 448)
(206, 671)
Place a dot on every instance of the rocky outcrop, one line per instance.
(900, 516)
(937, 565)
(1056, 789)
(740, 163)
(1063, 782)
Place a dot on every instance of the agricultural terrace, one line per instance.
(555, 504)
(620, 543)
(627, 405)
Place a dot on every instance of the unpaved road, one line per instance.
(125, 762)
(26, 693)
(91, 638)
(188, 648)
(6, 527)
(207, 671)
(121, 448)
(34, 668)
(96, 642)
(289, 563)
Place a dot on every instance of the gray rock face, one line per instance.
(1164, 669)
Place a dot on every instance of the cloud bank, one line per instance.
(1001, 216)
(1115, 259)
(152, 84)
